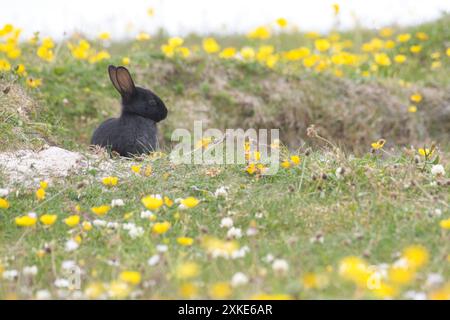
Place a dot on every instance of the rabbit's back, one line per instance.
(127, 135)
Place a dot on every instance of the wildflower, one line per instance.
(40, 194)
(355, 269)
(404, 37)
(72, 220)
(416, 256)
(221, 192)
(415, 49)
(161, 227)
(188, 290)
(10, 275)
(445, 224)
(175, 42)
(400, 58)
(4, 65)
(30, 271)
(104, 36)
(126, 61)
(336, 8)
(71, 245)
(101, 210)
(322, 45)
(99, 223)
(228, 53)
(234, 233)
(21, 70)
(314, 281)
(239, 279)
(378, 144)
(136, 169)
(119, 289)
(438, 170)
(265, 296)
(142, 36)
(220, 290)
(422, 36)
(189, 202)
(4, 204)
(425, 152)
(48, 219)
(382, 59)
(185, 241)
(110, 181)
(94, 290)
(247, 53)
(285, 164)
(412, 109)
(416, 97)
(25, 221)
(401, 275)
(260, 33)
(43, 295)
(386, 32)
(152, 202)
(131, 277)
(33, 83)
(226, 222)
(153, 260)
(295, 160)
(280, 266)
(436, 64)
(187, 270)
(282, 22)
(210, 45)
(117, 203)
(87, 226)
(4, 192)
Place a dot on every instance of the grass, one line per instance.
(339, 202)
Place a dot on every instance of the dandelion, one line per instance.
(152, 202)
(422, 36)
(382, 59)
(188, 290)
(220, 290)
(136, 168)
(110, 181)
(21, 70)
(336, 8)
(48, 219)
(189, 202)
(4, 204)
(104, 36)
(72, 220)
(185, 241)
(412, 109)
(386, 32)
(415, 49)
(445, 224)
(142, 36)
(295, 160)
(228, 53)
(247, 53)
(210, 45)
(378, 144)
(260, 33)
(355, 269)
(33, 83)
(425, 152)
(400, 58)
(4, 65)
(404, 37)
(87, 226)
(131, 277)
(187, 270)
(416, 97)
(101, 210)
(285, 164)
(322, 45)
(161, 227)
(25, 221)
(282, 22)
(416, 255)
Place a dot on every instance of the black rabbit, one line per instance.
(134, 132)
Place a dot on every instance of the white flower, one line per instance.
(99, 223)
(251, 231)
(4, 192)
(62, 283)
(112, 225)
(240, 253)
(401, 263)
(136, 232)
(68, 264)
(71, 245)
(239, 279)
(434, 280)
(146, 214)
(30, 270)
(414, 295)
(221, 192)
(226, 222)
(10, 275)
(153, 261)
(161, 248)
(234, 233)
(43, 295)
(269, 258)
(259, 215)
(438, 170)
(117, 203)
(128, 226)
(437, 212)
(280, 266)
(32, 215)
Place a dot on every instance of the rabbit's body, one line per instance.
(135, 131)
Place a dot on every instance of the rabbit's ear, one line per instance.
(112, 70)
(125, 81)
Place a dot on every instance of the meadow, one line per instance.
(358, 210)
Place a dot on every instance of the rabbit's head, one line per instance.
(136, 100)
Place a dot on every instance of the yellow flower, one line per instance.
(4, 65)
(210, 45)
(445, 224)
(43, 184)
(295, 160)
(87, 226)
(45, 53)
(415, 49)
(415, 255)
(161, 227)
(436, 64)
(110, 181)
(4, 204)
(131, 277)
(48, 219)
(150, 12)
(188, 290)
(148, 171)
(285, 164)
(336, 8)
(20, 70)
(175, 42)
(185, 241)
(425, 152)
(251, 168)
(400, 58)
(404, 37)
(412, 109)
(187, 270)
(247, 53)
(448, 52)
(125, 61)
(220, 290)
(266, 296)
(260, 33)
(136, 169)
(25, 221)
(401, 275)
(322, 45)
(168, 202)
(378, 144)
(119, 289)
(190, 202)
(384, 290)
(101, 210)
(143, 36)
(102, 55)
(228, 53)
(382, 59)
(314, 281)
(104, 36)
(416, 97)
(184, 51)
(72, 220)
(386, 32)
(94, 290)
(282, 22)
(355, 269)
(34, 83)
(80, 51)
(422, 36)
(152, 202)
(40, 194)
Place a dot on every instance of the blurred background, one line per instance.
(178, 17)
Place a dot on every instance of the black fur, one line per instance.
(134, 132)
